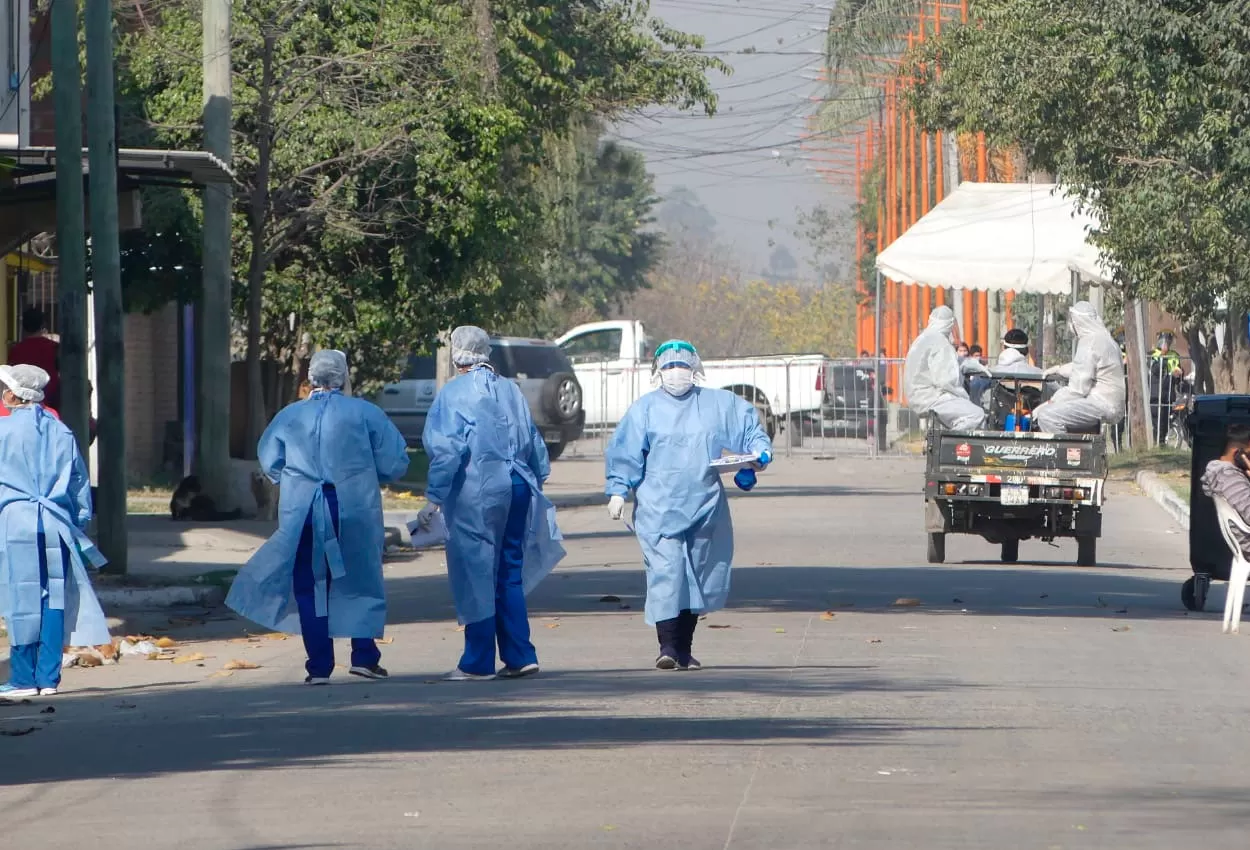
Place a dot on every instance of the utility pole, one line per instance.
(71, 245)
(214, 389)
(106, 285)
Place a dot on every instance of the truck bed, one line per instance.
(1056, 468)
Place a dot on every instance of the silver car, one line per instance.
(541, 369)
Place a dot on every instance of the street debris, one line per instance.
(907, 602)
(827, 615)
(609, 598)
(240, 664)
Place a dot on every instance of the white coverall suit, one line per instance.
(932, 378)
(1095, 391)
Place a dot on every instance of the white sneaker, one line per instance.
(518, 672)
(459, 675)
(316, 680)
(14, 692)
(47, 692)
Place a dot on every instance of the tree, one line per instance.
(1140, 110)
(782, 265)
(607, 245)
(395, 159)
(683, 216)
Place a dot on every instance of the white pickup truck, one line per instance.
(612, 361)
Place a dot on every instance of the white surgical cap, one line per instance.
(678, 352)
(24, 381)
(470, 346)
(328, 369)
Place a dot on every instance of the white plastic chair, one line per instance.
(1240, 570)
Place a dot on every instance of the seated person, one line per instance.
(1015, 353)
(932, 379)
(977, 378)
(1095, 392)
(1226, 477)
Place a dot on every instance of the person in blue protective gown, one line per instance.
(45, 502)
(660, 452)
(320, 574)
(488, 464)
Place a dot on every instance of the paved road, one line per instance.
(1027, 707)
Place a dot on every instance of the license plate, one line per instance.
(552, 436)
(1014, 494)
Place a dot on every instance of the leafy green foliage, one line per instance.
(1142, 109)
(400, 170)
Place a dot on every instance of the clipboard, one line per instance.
(732, 463)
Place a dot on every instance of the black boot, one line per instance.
(686, 623)
(668, 632)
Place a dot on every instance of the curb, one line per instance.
(1157, 489)
(113, 598)
(560, 500)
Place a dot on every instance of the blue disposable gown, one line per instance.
(328, 438)
(479, 432)
(661, 451)
(44, 487)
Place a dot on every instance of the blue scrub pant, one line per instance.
(510, 626)
(38, 665)
(316, 630)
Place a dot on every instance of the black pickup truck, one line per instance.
(1008, 486)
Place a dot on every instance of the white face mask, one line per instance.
(677, 381)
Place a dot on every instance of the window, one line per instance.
(530, 361)
(595, 346)
(420, 368)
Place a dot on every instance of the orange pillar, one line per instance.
(983, 319)
(1008, 322)
(965, 332)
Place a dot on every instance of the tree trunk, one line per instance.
(484, 27)
(1232, 368)
(1139, 434)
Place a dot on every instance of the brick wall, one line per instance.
(151, 388)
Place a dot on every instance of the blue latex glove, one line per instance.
(745, 479)
(765, 459)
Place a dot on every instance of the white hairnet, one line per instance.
(328, 369)
(25, 381)
(677, 351)
(470, 345)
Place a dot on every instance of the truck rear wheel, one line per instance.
(1086, 551)
(1011, 551)
(936, 552)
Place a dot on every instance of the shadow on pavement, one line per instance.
(970, 589)
(236, 726)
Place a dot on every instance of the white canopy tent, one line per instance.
(1004, 237)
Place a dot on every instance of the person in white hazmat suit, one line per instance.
(933, 379)
(1095, 392)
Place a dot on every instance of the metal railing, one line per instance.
(810, 405)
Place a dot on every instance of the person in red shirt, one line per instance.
(38, 349)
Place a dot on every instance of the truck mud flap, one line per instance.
(1088, 522)
(935, 518)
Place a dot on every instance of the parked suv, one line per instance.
(541, 369)
(850, 399)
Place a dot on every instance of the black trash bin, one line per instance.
(1208, 553)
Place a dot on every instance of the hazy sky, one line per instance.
(730, 160)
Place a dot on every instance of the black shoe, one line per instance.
(373, 671)
(316, 680)
(666, 661)
(689, 662)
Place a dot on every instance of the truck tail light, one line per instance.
(949, 489)
(820, 380)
